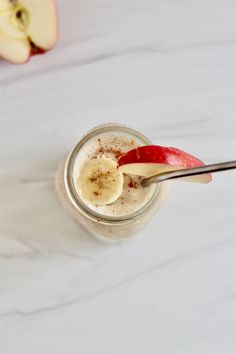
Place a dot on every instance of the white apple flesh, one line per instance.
(151, 169)
(26, 24)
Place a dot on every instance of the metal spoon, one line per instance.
(163, 176)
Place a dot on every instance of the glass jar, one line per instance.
(109, 229)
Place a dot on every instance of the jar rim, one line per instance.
(69, 182)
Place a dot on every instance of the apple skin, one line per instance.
(42, 31)
(37, 51)
(153, 159)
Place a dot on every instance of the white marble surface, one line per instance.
(166, 68)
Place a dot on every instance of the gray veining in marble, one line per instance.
(166, 68)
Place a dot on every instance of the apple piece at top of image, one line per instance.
(149, 160)
(27, 27)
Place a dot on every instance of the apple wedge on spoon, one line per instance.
(149, 160)
(27, 27)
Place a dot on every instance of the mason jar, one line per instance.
(106, 228)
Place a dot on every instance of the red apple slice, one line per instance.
(149, 160)
(27, 27)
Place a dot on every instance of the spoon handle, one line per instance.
(216, 167)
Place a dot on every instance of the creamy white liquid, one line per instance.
(134, 196)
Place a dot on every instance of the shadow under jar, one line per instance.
(136, 205)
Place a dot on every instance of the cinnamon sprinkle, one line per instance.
(134, 184)
(107, 150)
(115, 151)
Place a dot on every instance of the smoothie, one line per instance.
(112, 146)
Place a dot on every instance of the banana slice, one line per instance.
(100, 182)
